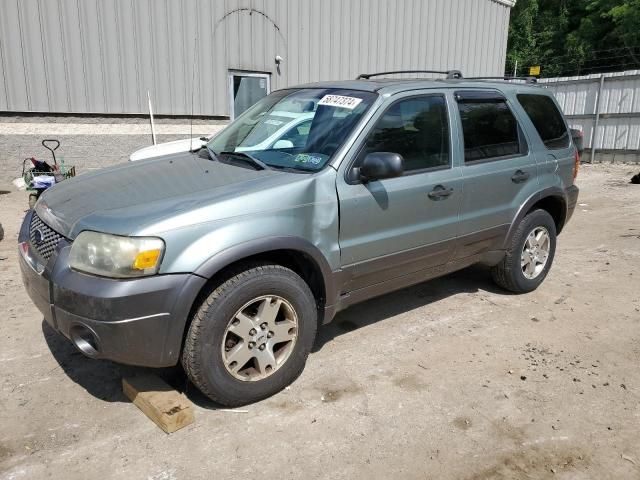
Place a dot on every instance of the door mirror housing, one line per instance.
(380, 165)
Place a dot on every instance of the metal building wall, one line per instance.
(101, 56)
(612, 102)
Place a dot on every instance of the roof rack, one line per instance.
(506, 78)
(451, 74)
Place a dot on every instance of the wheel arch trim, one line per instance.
(220, 260)
(551, 192)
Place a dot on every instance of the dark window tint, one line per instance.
(490, 130)
(417, 129)
(547, 119)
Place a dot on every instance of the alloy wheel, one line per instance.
(259, 338)
(535, 252)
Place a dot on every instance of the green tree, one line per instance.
(522, 44)
(626, 20)
(571, 37)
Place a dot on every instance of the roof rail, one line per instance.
(451, 74)
(506, 78)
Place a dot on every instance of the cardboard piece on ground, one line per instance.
(169, 409)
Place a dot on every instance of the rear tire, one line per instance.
(530, 254)
(251, 293)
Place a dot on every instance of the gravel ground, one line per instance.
(450, 379)
(85, 152)
(105, 146)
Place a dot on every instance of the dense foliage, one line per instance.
(574, 37)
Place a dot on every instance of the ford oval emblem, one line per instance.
(38, 237)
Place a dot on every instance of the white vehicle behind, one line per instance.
(277, 130)
(167, 148)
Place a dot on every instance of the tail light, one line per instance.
(578, 142)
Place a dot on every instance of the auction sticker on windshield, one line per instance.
(340, 101)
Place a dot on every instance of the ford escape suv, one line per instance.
(227, 260)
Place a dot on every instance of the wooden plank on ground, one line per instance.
(169, 409)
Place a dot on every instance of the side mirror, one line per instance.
(380, 165)
(283, 144)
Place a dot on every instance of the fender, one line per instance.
(268, 244)
(531, 201)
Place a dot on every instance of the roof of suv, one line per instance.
(388, 85)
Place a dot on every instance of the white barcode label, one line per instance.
(340, 101)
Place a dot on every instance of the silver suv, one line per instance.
(228, 259)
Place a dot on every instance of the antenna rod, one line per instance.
(193, 82)
(153, 128)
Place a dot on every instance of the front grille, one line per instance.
(43, 239)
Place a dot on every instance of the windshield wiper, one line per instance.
(246, 157)
(206, 152)
(291, 169)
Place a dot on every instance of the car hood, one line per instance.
(167, 148)
(127, 198)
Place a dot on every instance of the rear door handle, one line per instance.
(439, 192)
(520, 176)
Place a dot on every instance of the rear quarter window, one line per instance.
(547, 120)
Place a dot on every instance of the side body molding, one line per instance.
(270, 244)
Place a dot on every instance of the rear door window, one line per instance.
(548, 121)
(489, 127)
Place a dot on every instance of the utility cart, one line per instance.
(38, 175)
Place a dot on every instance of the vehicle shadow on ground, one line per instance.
(474, 279)
(103, 379)
(470, 280)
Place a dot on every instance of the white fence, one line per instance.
(606, 107)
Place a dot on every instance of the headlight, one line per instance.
(115, 256)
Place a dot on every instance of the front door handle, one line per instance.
(520, 176)
(439, 192)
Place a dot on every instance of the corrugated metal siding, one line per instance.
(101, 56)
(619, 124)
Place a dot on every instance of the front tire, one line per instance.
(530, 254)
(251, 335)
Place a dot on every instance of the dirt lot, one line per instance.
(452, 378)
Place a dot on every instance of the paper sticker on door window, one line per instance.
(263, 83)
(340, 101)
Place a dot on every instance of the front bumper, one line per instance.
(135, 321)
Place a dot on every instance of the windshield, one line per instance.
(297, 129)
